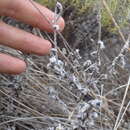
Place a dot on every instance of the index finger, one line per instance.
(25, 11)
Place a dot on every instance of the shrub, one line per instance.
(119, 8)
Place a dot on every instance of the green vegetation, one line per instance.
(119, 8)
(81, 6)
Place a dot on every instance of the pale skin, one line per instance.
(18, 39)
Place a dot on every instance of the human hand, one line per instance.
(15, 38)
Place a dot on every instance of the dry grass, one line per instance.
(65, 91)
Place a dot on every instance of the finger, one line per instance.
(11, 65)
(24, 41)
(23, 10)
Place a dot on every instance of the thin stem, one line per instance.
(122, 104)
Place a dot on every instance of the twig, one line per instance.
(113, 19)
(122, 104)
(123, 114)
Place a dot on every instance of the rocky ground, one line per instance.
(87, 89)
